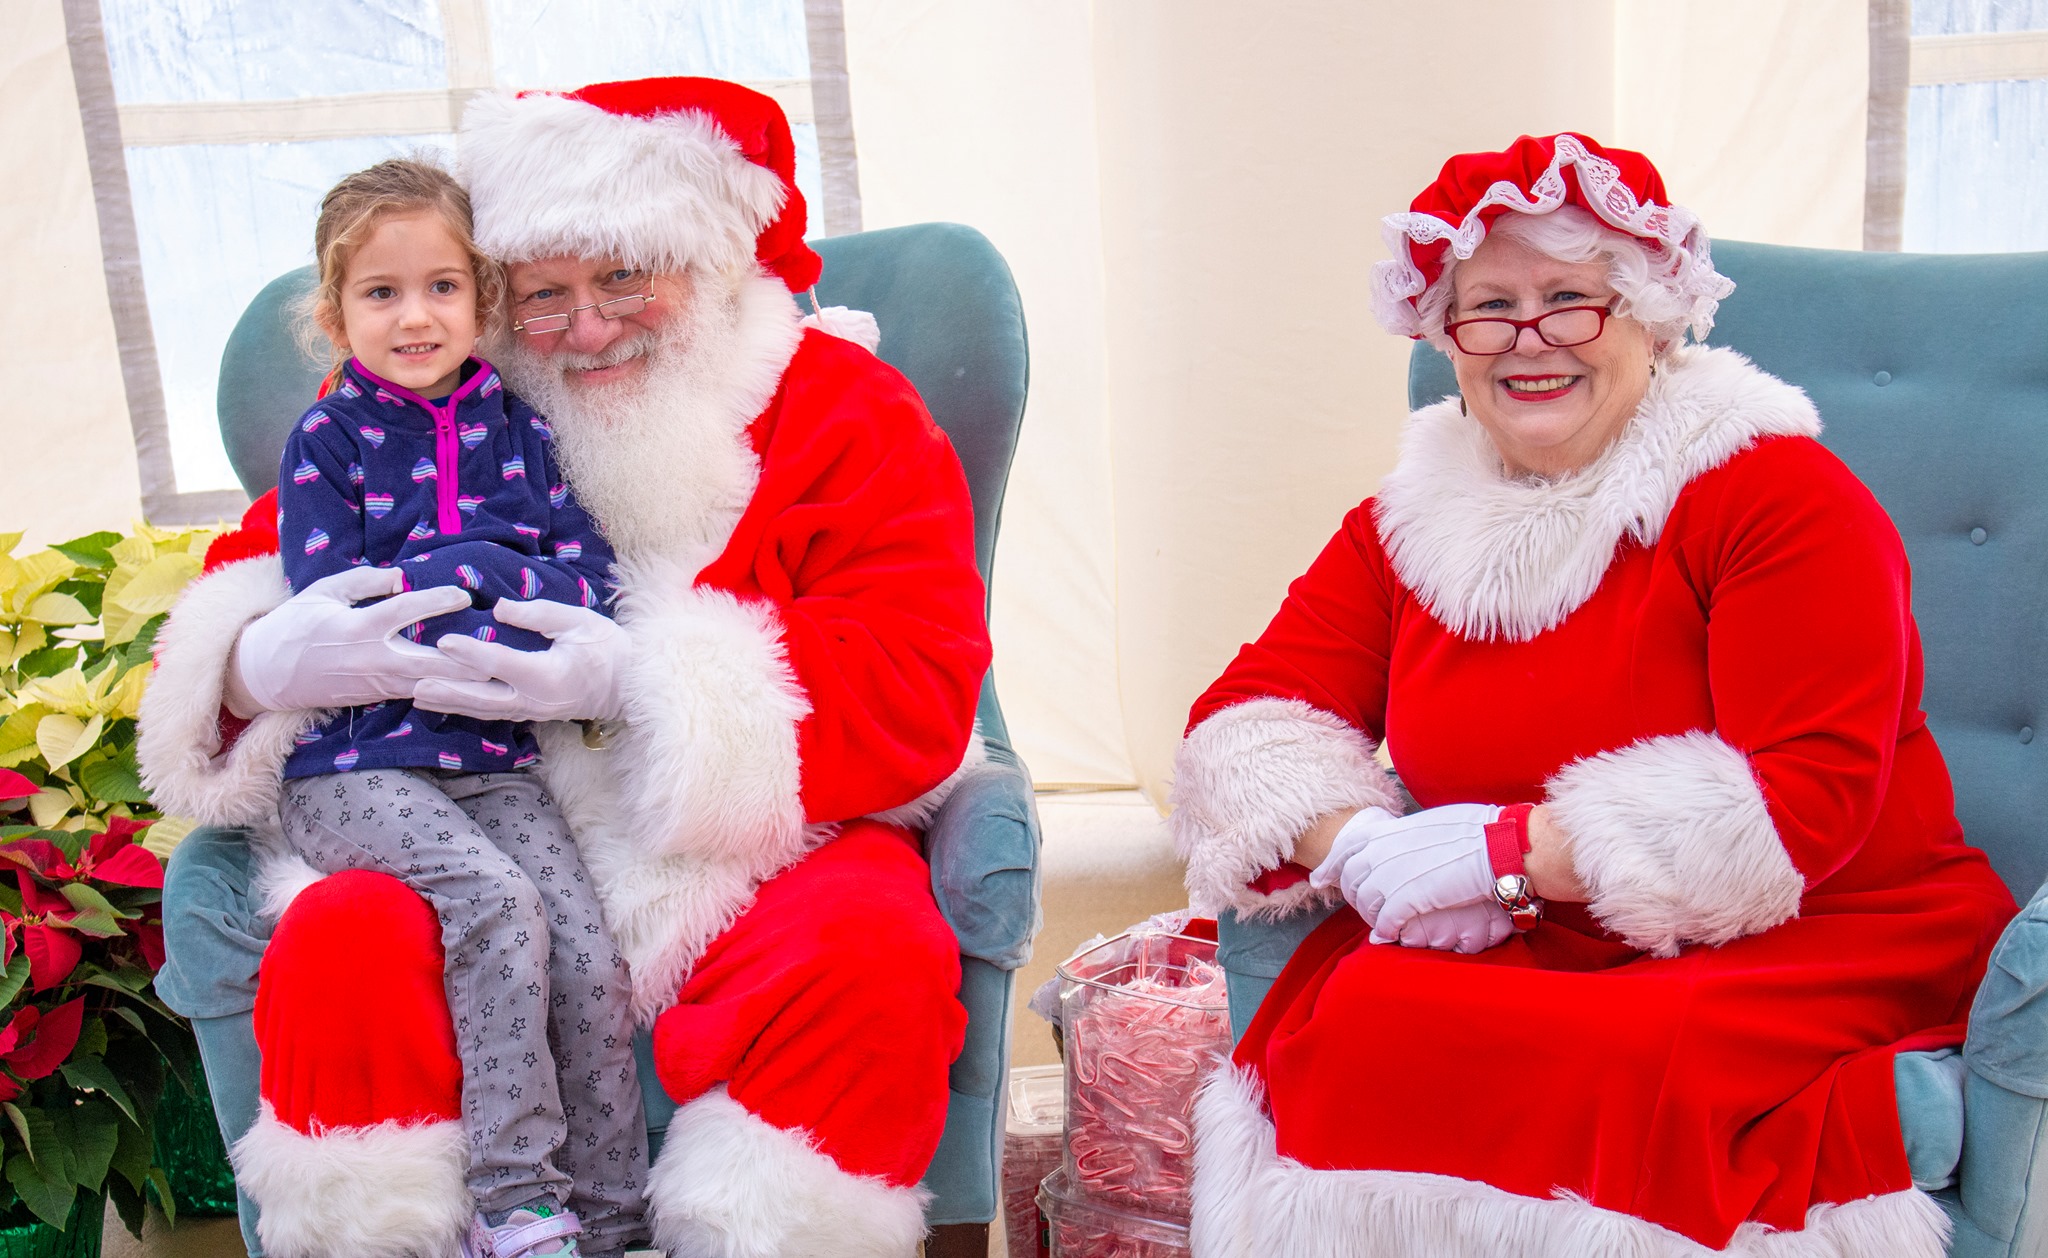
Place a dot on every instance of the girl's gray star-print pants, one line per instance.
(537, 989)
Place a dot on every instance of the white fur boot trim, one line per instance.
(395, 1190)
(1673, 839)
(729, 1185)
(1247, 781)
(1250, 1202)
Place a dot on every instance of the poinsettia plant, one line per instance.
(86, 1048)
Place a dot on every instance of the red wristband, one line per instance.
(1507, 840)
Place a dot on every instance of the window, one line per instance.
(214, 129)
(1958, 142)
(1977, 126)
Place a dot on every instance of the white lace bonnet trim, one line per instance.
(1678, 246)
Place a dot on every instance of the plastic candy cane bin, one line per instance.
(1082, 1226)
(1145, 1020)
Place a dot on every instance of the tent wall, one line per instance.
(67, 456)
(983, 112)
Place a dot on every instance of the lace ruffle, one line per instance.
(1679, 249)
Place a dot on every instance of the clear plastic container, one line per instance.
(1078, 1225)
(1146, 1021)
(1032, 1139)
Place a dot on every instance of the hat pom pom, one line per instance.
(857, 326)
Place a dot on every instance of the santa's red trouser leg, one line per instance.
(359, 1147)
(809, 1049)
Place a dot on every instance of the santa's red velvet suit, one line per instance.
(806, 659)
(1699, 651)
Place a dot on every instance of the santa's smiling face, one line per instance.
(594, 319)
(641, 402)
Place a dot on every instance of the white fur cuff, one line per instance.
(1247, 782)
(178, 744)
(1251, 1202)
(918, 813)
(1672, 838)
(394, 1190)
(729, 1185)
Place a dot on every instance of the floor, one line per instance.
(1106, 865)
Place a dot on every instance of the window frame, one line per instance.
(1901, 61)
(111, 128)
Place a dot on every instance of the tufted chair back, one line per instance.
(1931, 375)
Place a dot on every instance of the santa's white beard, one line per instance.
(659, 460)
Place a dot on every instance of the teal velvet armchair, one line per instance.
(1931, 376)
(952, 322)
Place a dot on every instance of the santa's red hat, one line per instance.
(659, 173)
(1536, 176)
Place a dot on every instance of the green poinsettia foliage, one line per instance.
(86, 1048)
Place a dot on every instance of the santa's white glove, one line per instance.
(1467, 928)
(575, 679)
(1428, 860)
(317, 649)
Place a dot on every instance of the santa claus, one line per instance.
(744, 755)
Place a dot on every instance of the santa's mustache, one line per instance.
(624, 350)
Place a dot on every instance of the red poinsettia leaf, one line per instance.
(9, 1089)
(38, 856)
(56, 1034)
(132, 866)
(52, 955)
(13, 786)
(39, 901)
(24, 1021)
(149, 936)
(8, 923)
(119, 828)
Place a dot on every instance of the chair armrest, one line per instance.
(213, 943)
(2003, 1179)
(2008, 1039)
(1252, 954)
(983, 848)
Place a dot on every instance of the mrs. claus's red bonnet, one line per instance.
(1536, 175)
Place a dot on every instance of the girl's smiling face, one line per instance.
(1549, 411)
(408, 304)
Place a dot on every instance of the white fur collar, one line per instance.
(1494, 557)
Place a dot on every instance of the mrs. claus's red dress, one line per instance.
(1699, 650)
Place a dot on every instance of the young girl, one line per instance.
(417, 458)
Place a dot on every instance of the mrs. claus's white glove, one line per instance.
(1425, 861)
(1467, 928)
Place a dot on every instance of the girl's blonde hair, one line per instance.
(351, 211)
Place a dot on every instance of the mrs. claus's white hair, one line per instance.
(1573, 235)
